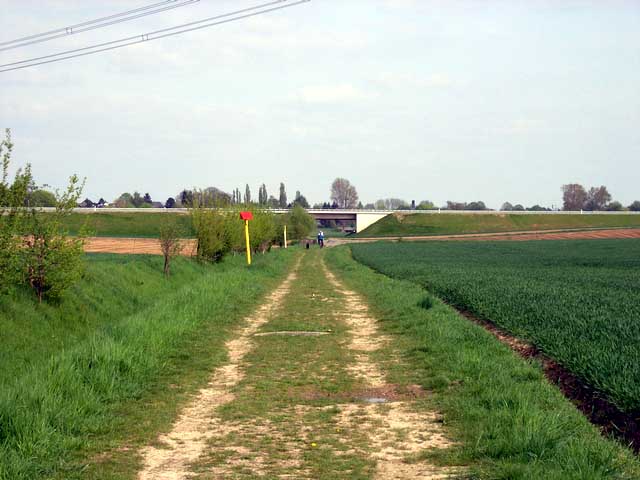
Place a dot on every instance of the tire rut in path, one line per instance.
(396, 430)
(188, 437)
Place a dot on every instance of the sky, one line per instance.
(492, 100)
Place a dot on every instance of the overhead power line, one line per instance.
(89, 22)
(95, 24)
(156, 35)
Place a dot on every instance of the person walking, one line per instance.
(321, 238)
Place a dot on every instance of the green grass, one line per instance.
(139, 225)
(452, 224)
(508, 421)
(96, 370)
(578, 301)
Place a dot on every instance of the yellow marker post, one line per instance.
(285, 236)
(246, 216)
(246, 234)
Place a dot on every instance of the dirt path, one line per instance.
(188, 437)
(305, 395)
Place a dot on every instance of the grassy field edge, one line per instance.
(434, 224)
(88, 410)
(509, 421)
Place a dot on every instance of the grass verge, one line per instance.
(81, 408)
(509, 422)
(452, 224)
(135, 225)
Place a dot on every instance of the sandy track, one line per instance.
(395, 430)
(197, 423)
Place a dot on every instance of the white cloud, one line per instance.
(332, 94)
(402, 80)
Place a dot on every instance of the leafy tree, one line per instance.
(299, 223)
(426, 205)
(390, 204)
(170, 203)
(12, 199)
(597, 198)
(343, 193)
(506, 207)
(574, 196)
(263, 197)
(301, 200)
(41, 198)
(273, 202)
(479, 205)
(124, 201)
(538, 208)
(635, 206)
(360, 206)
(456, 205)
(263, 230)
(282, 200)
(51, 260)
(147, 198)
(247, 195)
(615, 207)
(518, 208)
(170, 241)
(137, 199)
(234, 231)
(369, 206)
(210, 234)
(186, 198)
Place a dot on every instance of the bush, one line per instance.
(210, 232)
(49, 259)
(299, 223)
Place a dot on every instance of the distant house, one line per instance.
(101, 203)
(86, 203)
(157, 205)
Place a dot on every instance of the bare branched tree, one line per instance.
(343, 193)
(170, 241)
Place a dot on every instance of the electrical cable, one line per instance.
(74, 30)
(158, 34)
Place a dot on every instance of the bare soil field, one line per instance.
(148, 246)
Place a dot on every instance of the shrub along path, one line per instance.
(313, 405)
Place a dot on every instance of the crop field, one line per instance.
(577, 301)
(451, 224)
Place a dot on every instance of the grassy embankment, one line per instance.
(111, 363)
(138, 225)
(453, 224)
(509, 422)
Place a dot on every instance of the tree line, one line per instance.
(576, 197)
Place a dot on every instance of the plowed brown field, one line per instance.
(149, 246)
